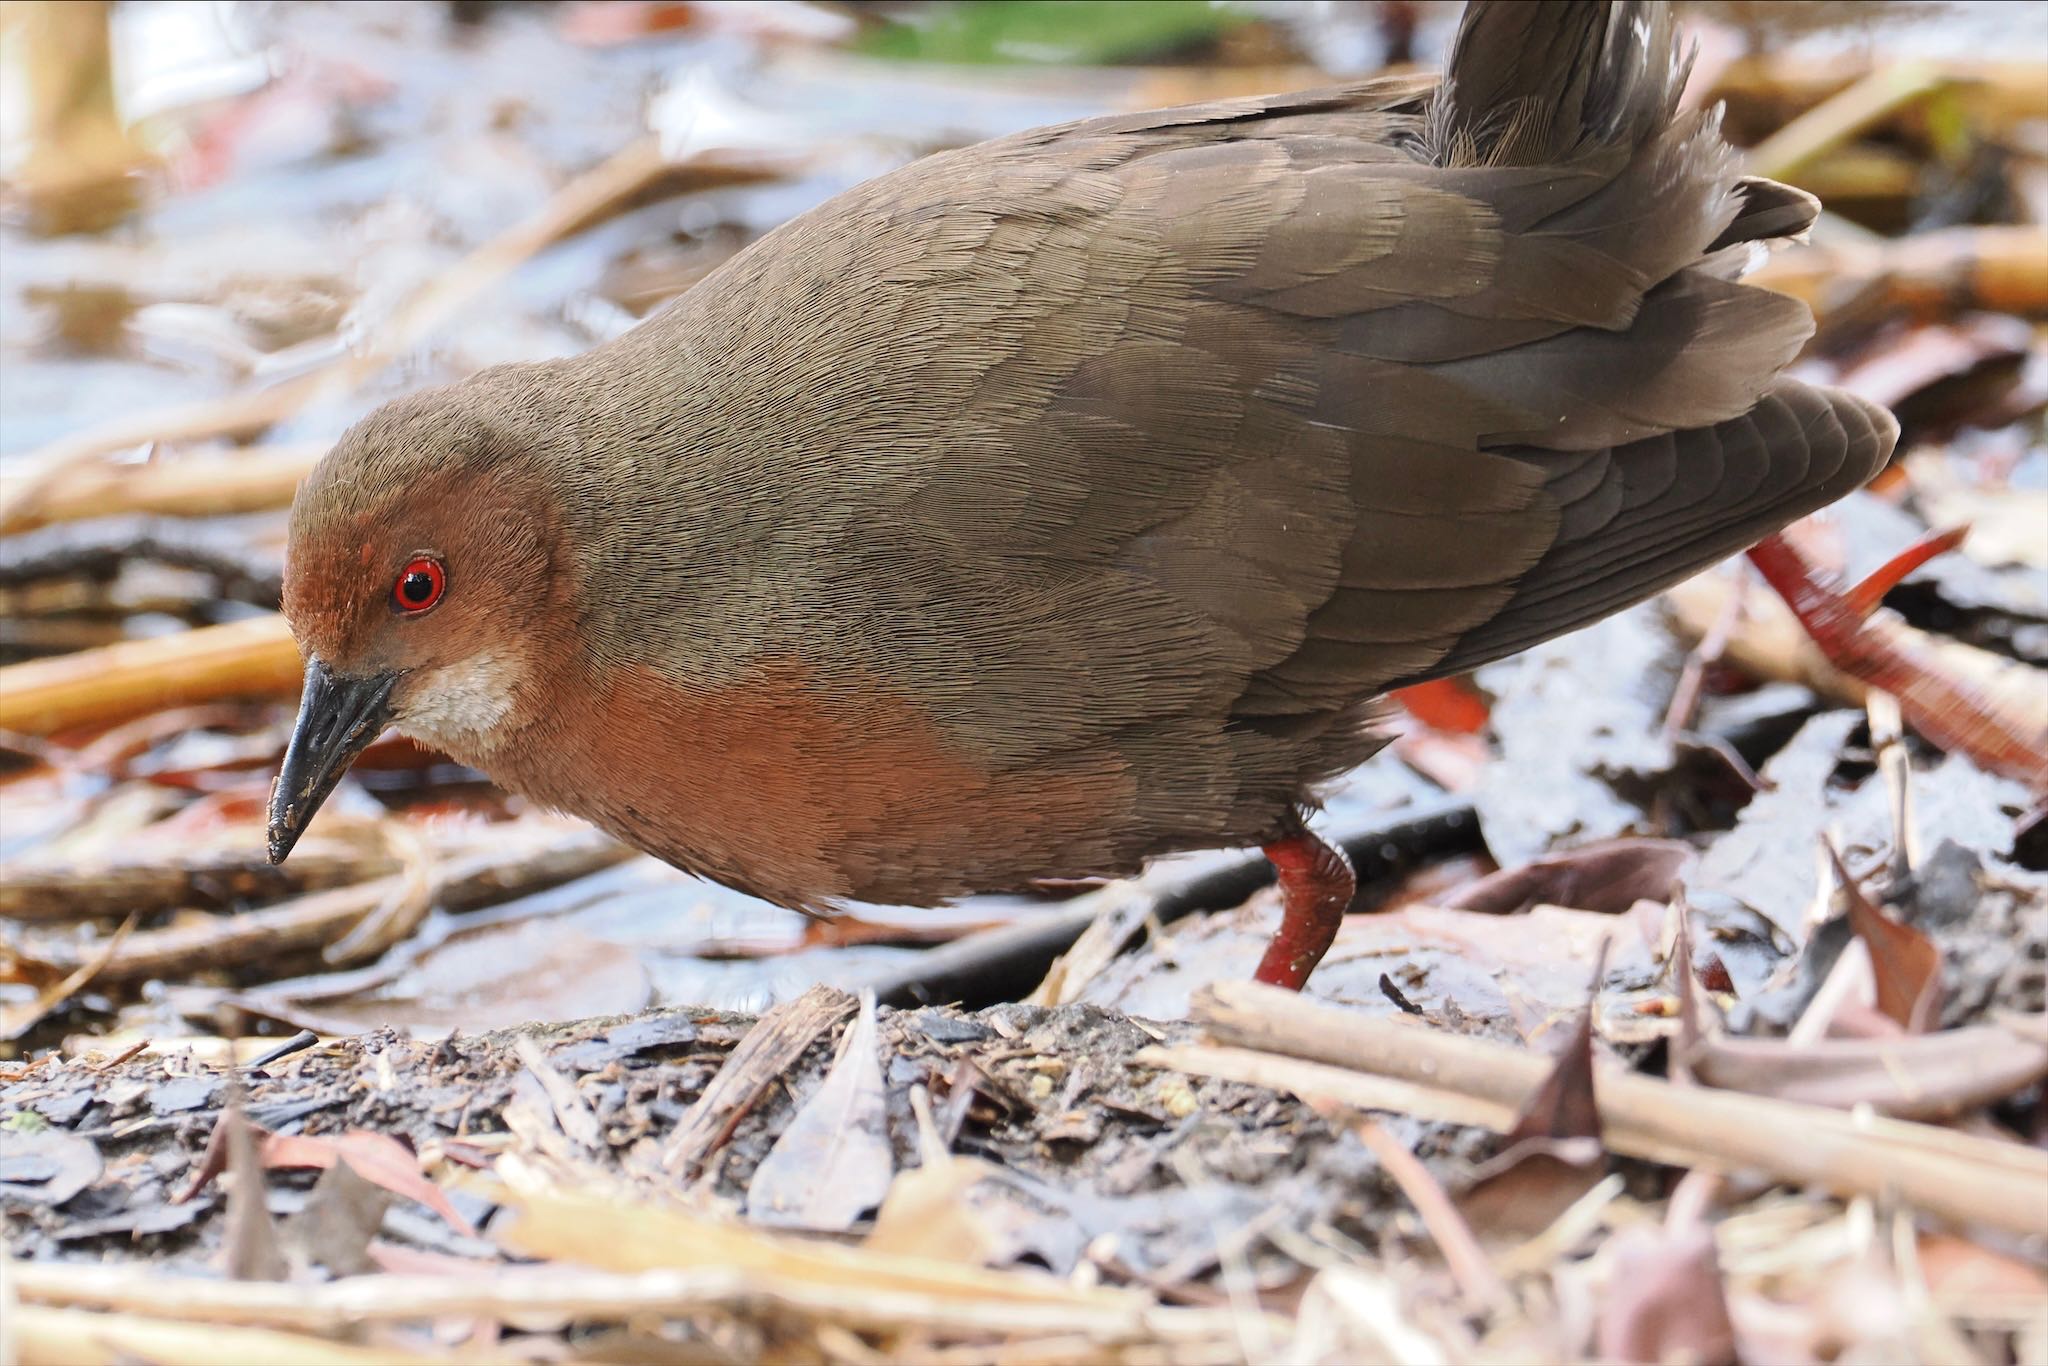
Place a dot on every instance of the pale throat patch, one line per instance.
(457, 705)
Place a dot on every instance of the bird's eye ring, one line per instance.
(420, 585)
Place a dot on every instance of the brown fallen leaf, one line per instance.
(1554, 1154)
(250, 1247)
(1609, 876)
(1956, 712)
(938, 1211)
(1905, 962)
(334, 1229)
(1665, 1300)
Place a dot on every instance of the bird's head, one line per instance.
(425, 584)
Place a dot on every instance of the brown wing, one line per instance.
(1507, 316)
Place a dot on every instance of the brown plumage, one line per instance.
(1067, 499)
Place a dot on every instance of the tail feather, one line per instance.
(1530, 84)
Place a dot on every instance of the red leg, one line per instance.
(1316, 887)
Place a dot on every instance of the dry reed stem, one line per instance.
(255, 479)
(1997, 93)
(549, 1291)
(1940, 1171)
(253, 658)
(1841, 116)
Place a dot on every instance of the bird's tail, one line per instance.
(1549, 82)
(1536, 84)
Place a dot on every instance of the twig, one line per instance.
(1997, 92)
(1124, 909)
(16, 1021)
(399, 915)
(1301, 1077)
(1705, 651)
(68, 892)
(1468, 1262)
(1887, 737)
(97, 550)
(1004, 964)
(770, 1048)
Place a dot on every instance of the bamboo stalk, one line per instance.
(1943, 1172)
(254, 658)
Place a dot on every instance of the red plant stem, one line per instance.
(1945, 710)
(1864, 598)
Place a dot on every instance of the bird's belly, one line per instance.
(808, 793)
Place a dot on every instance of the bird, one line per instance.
(1052, 504)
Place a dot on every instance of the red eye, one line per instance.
(420, 585)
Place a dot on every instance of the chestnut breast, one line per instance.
(807, 795)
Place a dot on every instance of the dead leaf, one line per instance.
(1610, 876)
(1665, 1300)
(1905, 962)
(342, 1214)
(1960, 1273)
(967, 1212)
(251, 1248)
(45, 1168)
(480, 978)
(1554, 1154)
(833, 1163)
(378, 1158)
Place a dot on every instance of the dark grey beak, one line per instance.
(338, 718)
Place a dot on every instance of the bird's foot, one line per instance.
(1316, 887)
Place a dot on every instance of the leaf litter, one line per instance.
(563, 1104)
